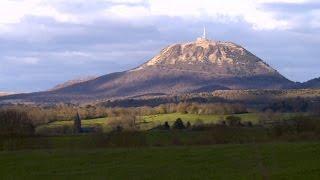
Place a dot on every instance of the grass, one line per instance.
(137, 139)
(148, 122)
(246, 161)
(153, 120)
(85, 123)
(43, 129)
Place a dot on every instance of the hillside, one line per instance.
(72, 82)
(5, 93)
(311, 84)
(200, 66)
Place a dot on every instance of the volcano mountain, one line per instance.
(200, 66)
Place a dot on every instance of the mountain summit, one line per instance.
(200, 66)
(219, 59)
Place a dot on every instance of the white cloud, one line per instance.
(30, 60)
(129, 12)
(12, 12)
(228, 10)
(70, 55)
(125, 1)
(22, 60)
(315, 22)
(101, 36)
(247, 10)
(282, 1)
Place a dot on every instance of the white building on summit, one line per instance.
(204, 36)
(204, 33)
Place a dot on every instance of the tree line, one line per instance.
(45, 114)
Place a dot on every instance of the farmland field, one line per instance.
(148, 122)
(154, 120)
(246, 161)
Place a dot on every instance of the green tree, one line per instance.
(178, 124)
(166, 125)
(15, 122)
(233, 121)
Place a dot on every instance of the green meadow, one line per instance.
(217, 153)
(148, 122)
(234, 161)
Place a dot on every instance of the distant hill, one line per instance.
(311, 84)
(5, 93)
(254, 97)
(200, 66)
(72, 82)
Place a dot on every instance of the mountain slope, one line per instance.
(198, 66)
(221, 59)
(72, 82)
(314, 83)
(311, 84)
(4, 93)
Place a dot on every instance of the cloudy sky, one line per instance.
(45, 42)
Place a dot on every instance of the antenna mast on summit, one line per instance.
(204, 33)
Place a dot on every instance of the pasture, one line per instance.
(148, 122)
(151, 121)
(233, 161)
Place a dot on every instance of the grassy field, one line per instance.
(153, 120)
(246, 161)
(148, 122)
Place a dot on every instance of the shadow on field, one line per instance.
(208, 135)
(17, 133)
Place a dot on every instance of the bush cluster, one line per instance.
(15, 122)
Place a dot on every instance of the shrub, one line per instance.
(233, 121)
(248, 124)
(221, 122)
(269, 117)
(126, 139)
(15, 122)
(178, 124)
(188, 125)
(122, 122)
(297, 125)
(166, 125)
(118, 128)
